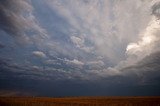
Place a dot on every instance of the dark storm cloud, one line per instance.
(11, 70)
(146, 71)
(141, 79)
(84, 47)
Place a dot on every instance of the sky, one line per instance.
(59, 48)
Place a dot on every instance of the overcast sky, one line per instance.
(79, 47)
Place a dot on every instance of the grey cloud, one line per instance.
(146, 71)
(1, 45)
(18, 20)
(96, 64)
(86, 46)
(156, 9)
(75, 63)
(77, 41)
(143, 73)
(147, 44)
(107, 35)
(80, 43)
(92, 47)
(51, 62)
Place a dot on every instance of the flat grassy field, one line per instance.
(80, 101)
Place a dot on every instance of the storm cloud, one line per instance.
(108, 43)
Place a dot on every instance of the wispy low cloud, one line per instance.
(39, 54)
(74, 61)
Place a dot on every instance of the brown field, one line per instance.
(80, 101)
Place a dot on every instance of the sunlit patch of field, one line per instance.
(80, 101)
